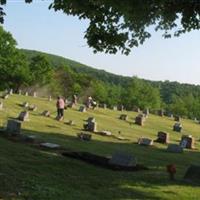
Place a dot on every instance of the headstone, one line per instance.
(136, 109)
(187, 141)
(71, 123)
(104, 106)
(5, 96)
(90, 126)
(121, 108)
(26, 93)
(32, 108)
(13, 127)
(161, 113)
(46, 113)
(177, 127)
(163, 137)
(19, 92)
(82, 109)
(84, 136)
(193, 174)
(50, 145)
(49, 98)
(174, 148)
(177, 118)
(123, 159)
(1, 105)
(146, 111)
(145, 141)
(123, 117)
(35, 94)
(139, 120)
(23, 116)
(10, 92)
(25, 104)
(114, 108)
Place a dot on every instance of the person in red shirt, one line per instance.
(60, 104)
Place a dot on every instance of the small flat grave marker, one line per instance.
(174, 148)
(145, 141)
(123, 159)
(50, 145)
(46, 113)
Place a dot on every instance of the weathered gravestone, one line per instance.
(145, 141)
(46, 113)
(32, 108)
(24, 116)
(121, 108)
(19, 92)
(123, 159)
(187, 141)
(139, 120)
(84, 136)
(13, 127)
(177, 127)
(174, 148)
(177, 118)
(50, 145)
(193, 174)
(123, 117)
(1, 105)
(163, 137)
(136, 109)
(82, 109)
(26, 93)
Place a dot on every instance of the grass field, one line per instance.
(34, 174)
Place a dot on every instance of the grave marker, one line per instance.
(1, 105)
(187, 141)
(84, 136)
(193, 174)
(82, 109)
(163, 137)
(13, 127)
(177, 127)
(174, 148)
(23, 116)
(145, 141)
(123, 159)
(139, 120)
(50, 145)
(123, 117)
(46, 113)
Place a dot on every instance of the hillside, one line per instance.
(79, 67)
(28, 172)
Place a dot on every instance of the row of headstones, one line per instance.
(187, 141)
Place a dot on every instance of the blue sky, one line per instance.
(35, 27)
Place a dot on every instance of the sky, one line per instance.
(37, 28)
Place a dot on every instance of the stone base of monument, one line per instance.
(102, 161)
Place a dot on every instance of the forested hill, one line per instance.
(57, 61)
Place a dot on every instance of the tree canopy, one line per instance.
(116, 25)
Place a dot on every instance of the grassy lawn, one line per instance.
(34, 174)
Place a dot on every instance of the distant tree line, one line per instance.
(22, 69)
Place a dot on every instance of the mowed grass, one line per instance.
(34, 174)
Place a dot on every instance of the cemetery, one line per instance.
(96, 147)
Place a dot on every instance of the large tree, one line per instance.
(119, 25)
